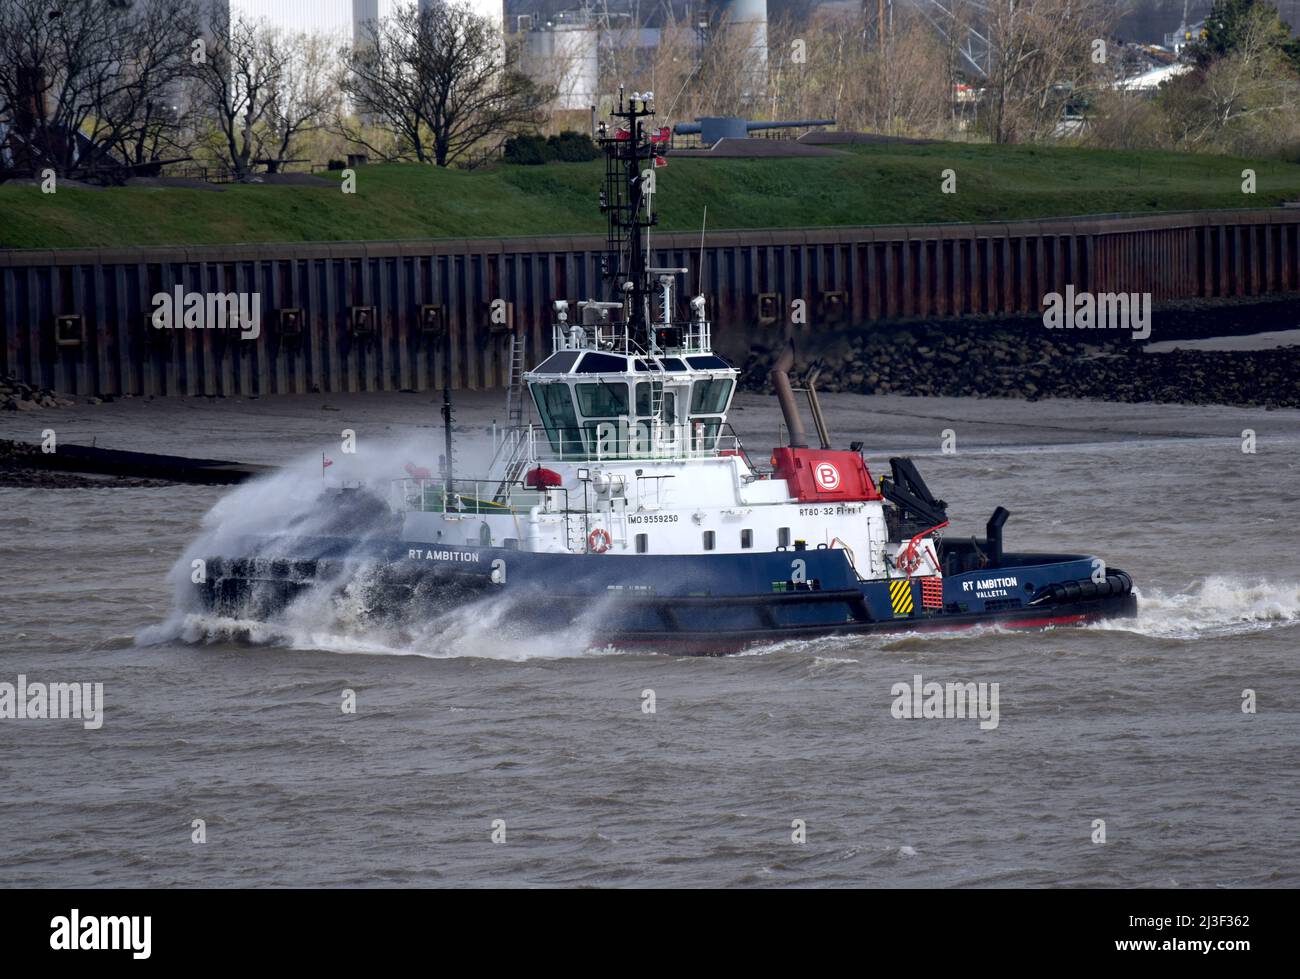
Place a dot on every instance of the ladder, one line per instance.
(515, 442)
(656, 410)
(575, 532)
(656, 399)
(515, 391)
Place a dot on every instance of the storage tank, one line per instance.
(746, 21)
(565, 56)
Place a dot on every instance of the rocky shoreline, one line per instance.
(16, 395)
(1020, 358)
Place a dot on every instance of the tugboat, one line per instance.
(632, 506)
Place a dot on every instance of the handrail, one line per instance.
(628, 445)
(468, 497)
(697, 338)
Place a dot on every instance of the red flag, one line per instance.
(660, 162)
(661, 135)
(325, 463)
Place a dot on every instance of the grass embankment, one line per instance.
(879, 184)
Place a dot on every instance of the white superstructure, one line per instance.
(625, 449)
(631, 454)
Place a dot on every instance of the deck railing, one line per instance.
(628, 441)
(696, 338)
(472, 496)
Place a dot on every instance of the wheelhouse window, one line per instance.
(595, 363)
(604, 400)
(557, 363)
(709, 397)
(704, 433)
(601, 406)
(555, 406)
(643, 401)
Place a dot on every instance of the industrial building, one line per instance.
(569, 48)
(563, 52)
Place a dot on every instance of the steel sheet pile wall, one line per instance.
(844, 277)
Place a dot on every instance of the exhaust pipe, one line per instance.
(815, 406)
(993, 533)
(780, 375)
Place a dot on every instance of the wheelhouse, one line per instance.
(595, 404)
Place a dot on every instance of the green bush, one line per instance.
(525, 148)
(571, 147)
(532, 150)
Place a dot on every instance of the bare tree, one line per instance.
(92, 83)
(441, 79)
(1040, 58)
(730, 77)
(304, 97)
(670, 70)
(381, 82)
(237, 83)
(51, 62)
(721, 75)
(137, 108)
(830, 66)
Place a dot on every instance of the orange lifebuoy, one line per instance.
(598, 541)
(908, 561)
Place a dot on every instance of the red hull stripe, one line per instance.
(719, 643)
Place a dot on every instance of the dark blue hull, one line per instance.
(700, 604)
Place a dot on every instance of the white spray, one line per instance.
(338, 616)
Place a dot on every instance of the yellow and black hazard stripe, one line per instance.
(900, 596)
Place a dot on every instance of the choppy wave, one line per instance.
(1213, 607)
(481, 631)
(338, 621)
(1218, 605)
(341, 618)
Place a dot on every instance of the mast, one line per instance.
(628, 202)
(447, 418)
